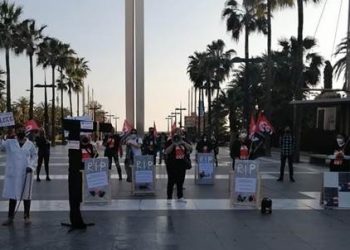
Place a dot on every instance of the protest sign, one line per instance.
(6, 119)
(96, 180)
(245, 184)
(143, 174)
(205, 170)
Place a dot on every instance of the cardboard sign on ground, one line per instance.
(96, 181)
(143, 175)
(245, 184)
(205, 169)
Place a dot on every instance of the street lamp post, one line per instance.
(168, 120)
(110, 117)
(46, 113)
(94, 107)
(175, 116)
(180, 109)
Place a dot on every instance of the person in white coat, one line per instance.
(21, 158)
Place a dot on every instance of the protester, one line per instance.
(239, 149)
(215, 144)
(287, 146)
(341, 150)
(176, 150)
(20, 164)
(133, 148)
(204, 145)
(150, 144)
(43, 154)
(161, 140)
(112, 148)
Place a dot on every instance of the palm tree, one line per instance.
(246, 17)
(77, 72)
(2, 88)
(340, 65)
(48, 55)
(64, 58)
(9, 17)
(29, 38)
(195, 69)
(218, 68)
(272, 5)
(21, 110)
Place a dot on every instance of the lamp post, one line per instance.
(94, 107)
(46, 114)
(110, 117)
(180, 109)
(116, 123)
(168, 120)
(175, 116)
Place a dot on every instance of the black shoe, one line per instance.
(292, 179)
(48, 178)
(120, 178)
(279, 179)
(38, 179)
(128, 179)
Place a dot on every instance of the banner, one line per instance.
(96, 180)
(205, 169)
(143, 174)
(31, 125)
(6, 119)
(245, 183)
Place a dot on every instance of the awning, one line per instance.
(322, 102)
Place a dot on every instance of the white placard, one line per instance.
(73, 144)
(245, 185)
(97, 179)
(144, 176)
(87, 125)
(6, 119)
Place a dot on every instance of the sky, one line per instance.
(174, 30)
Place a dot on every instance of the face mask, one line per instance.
(243, 135)
(340, 141)
(21, 135)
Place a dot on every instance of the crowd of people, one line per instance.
(24, 156)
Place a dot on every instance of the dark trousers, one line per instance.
(41, 158)
(12, 207)
(176, 175)
(114, 156)
(283, 164)
(161, 156)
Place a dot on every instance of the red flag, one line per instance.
(31, 125)
(263, 125)
(126, 127)
(155, 132)
(252, 127)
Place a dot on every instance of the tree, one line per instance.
(284, 89)
(298, 77)
(21, 110)
(218, 68)
(65, 57)
(48, 54)
(271, 5)
(76, 72)
(2, 88)
(195, 70)
(340, 65)
(9, 18)
(248, 18)
(29, 38)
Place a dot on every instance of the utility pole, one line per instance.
(180, 109)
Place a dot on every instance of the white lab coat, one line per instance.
(17, 160)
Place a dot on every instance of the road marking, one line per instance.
(161, 204)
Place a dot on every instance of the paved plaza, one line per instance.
(206, 221)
